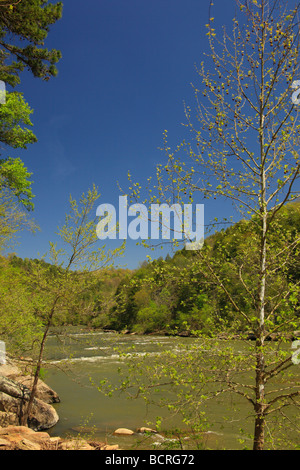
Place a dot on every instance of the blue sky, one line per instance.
(126, 70)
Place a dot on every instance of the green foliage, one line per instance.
(24, 28)
(243, 147)
(13, 219)
(180, 295)
(176, 295)
(15, 177)
(202, 378)
(14, 132)
(77, 285)
(152, 318)
(20, 327)
(14, 115)
(15, 183)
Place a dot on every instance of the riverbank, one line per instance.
(14, 381)
(249, 336)
(77, 362)
(23, 438)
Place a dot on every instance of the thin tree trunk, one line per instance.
(27, 409)
(261, 333)
(259, 429)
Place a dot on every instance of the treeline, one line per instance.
(183, 293)
(190, 291)
(91, 308)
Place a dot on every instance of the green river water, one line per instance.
(78, 363)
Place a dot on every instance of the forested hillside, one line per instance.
(176, 295)
(181, 294)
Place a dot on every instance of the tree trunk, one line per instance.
(259, 432)
(25, 415)
(260, 381)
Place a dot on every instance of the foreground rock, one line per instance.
(22, 438)
(44, 393)
(15, 391)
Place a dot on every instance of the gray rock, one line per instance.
(43, 392)
(14, 397)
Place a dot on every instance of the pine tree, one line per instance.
(24, 27)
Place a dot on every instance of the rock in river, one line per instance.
(123, 432)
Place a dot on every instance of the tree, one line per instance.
(75, 269)
(15, 185)
(24, 27)
(14, 177)
(243, 147)
(14, 117)
(13, 219)
(19, 326)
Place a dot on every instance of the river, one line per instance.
(77, 363)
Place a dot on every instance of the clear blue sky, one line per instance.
(126, 70)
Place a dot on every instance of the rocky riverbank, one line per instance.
(15, 388)
(23, 438)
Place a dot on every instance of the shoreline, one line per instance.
(24, 438)
(249, 336)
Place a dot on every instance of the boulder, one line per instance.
(43, 416)
(7, 370)
(108, 447)
(43, 392)
(75, 444)
(8, 419)
(25, 444)
(13, 398)
(144, 430)
(123, 432)
(23, 438)
(14, 389)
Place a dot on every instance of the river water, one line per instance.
(77, 363)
